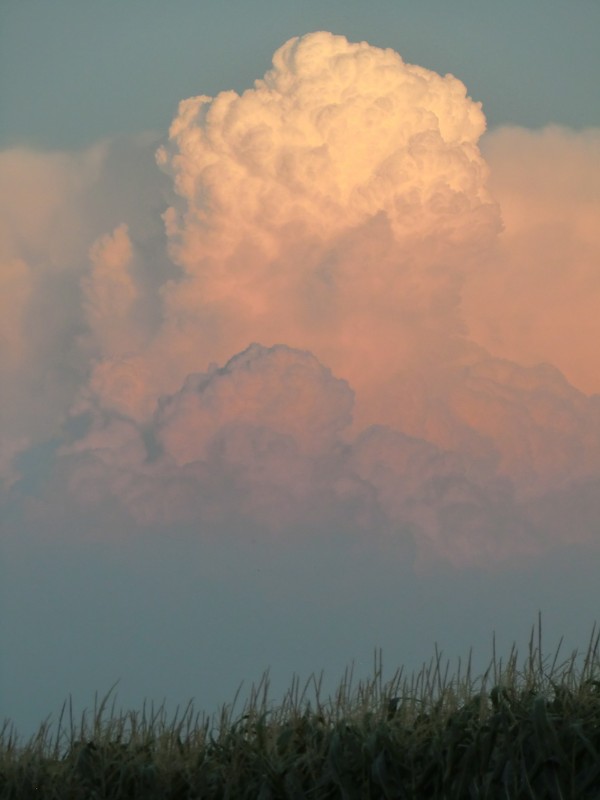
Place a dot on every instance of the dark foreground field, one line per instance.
(518, 731)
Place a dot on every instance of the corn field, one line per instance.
(514, 732)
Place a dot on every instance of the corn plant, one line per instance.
(529, 731)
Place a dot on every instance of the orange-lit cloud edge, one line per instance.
(358, 321)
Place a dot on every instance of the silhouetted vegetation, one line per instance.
(528, 732)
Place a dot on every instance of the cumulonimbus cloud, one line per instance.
(346, 331)
(335, 206)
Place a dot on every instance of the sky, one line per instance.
(298, 325)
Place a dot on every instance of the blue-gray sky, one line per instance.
(72, 72)
(310, 386)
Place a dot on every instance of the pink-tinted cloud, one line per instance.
(262, 426)
(53, 205)
(345, 334)
(110, 296)
(266, 438)
(538, 298)
(334, 206)
(40, 233)
(289, 392)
